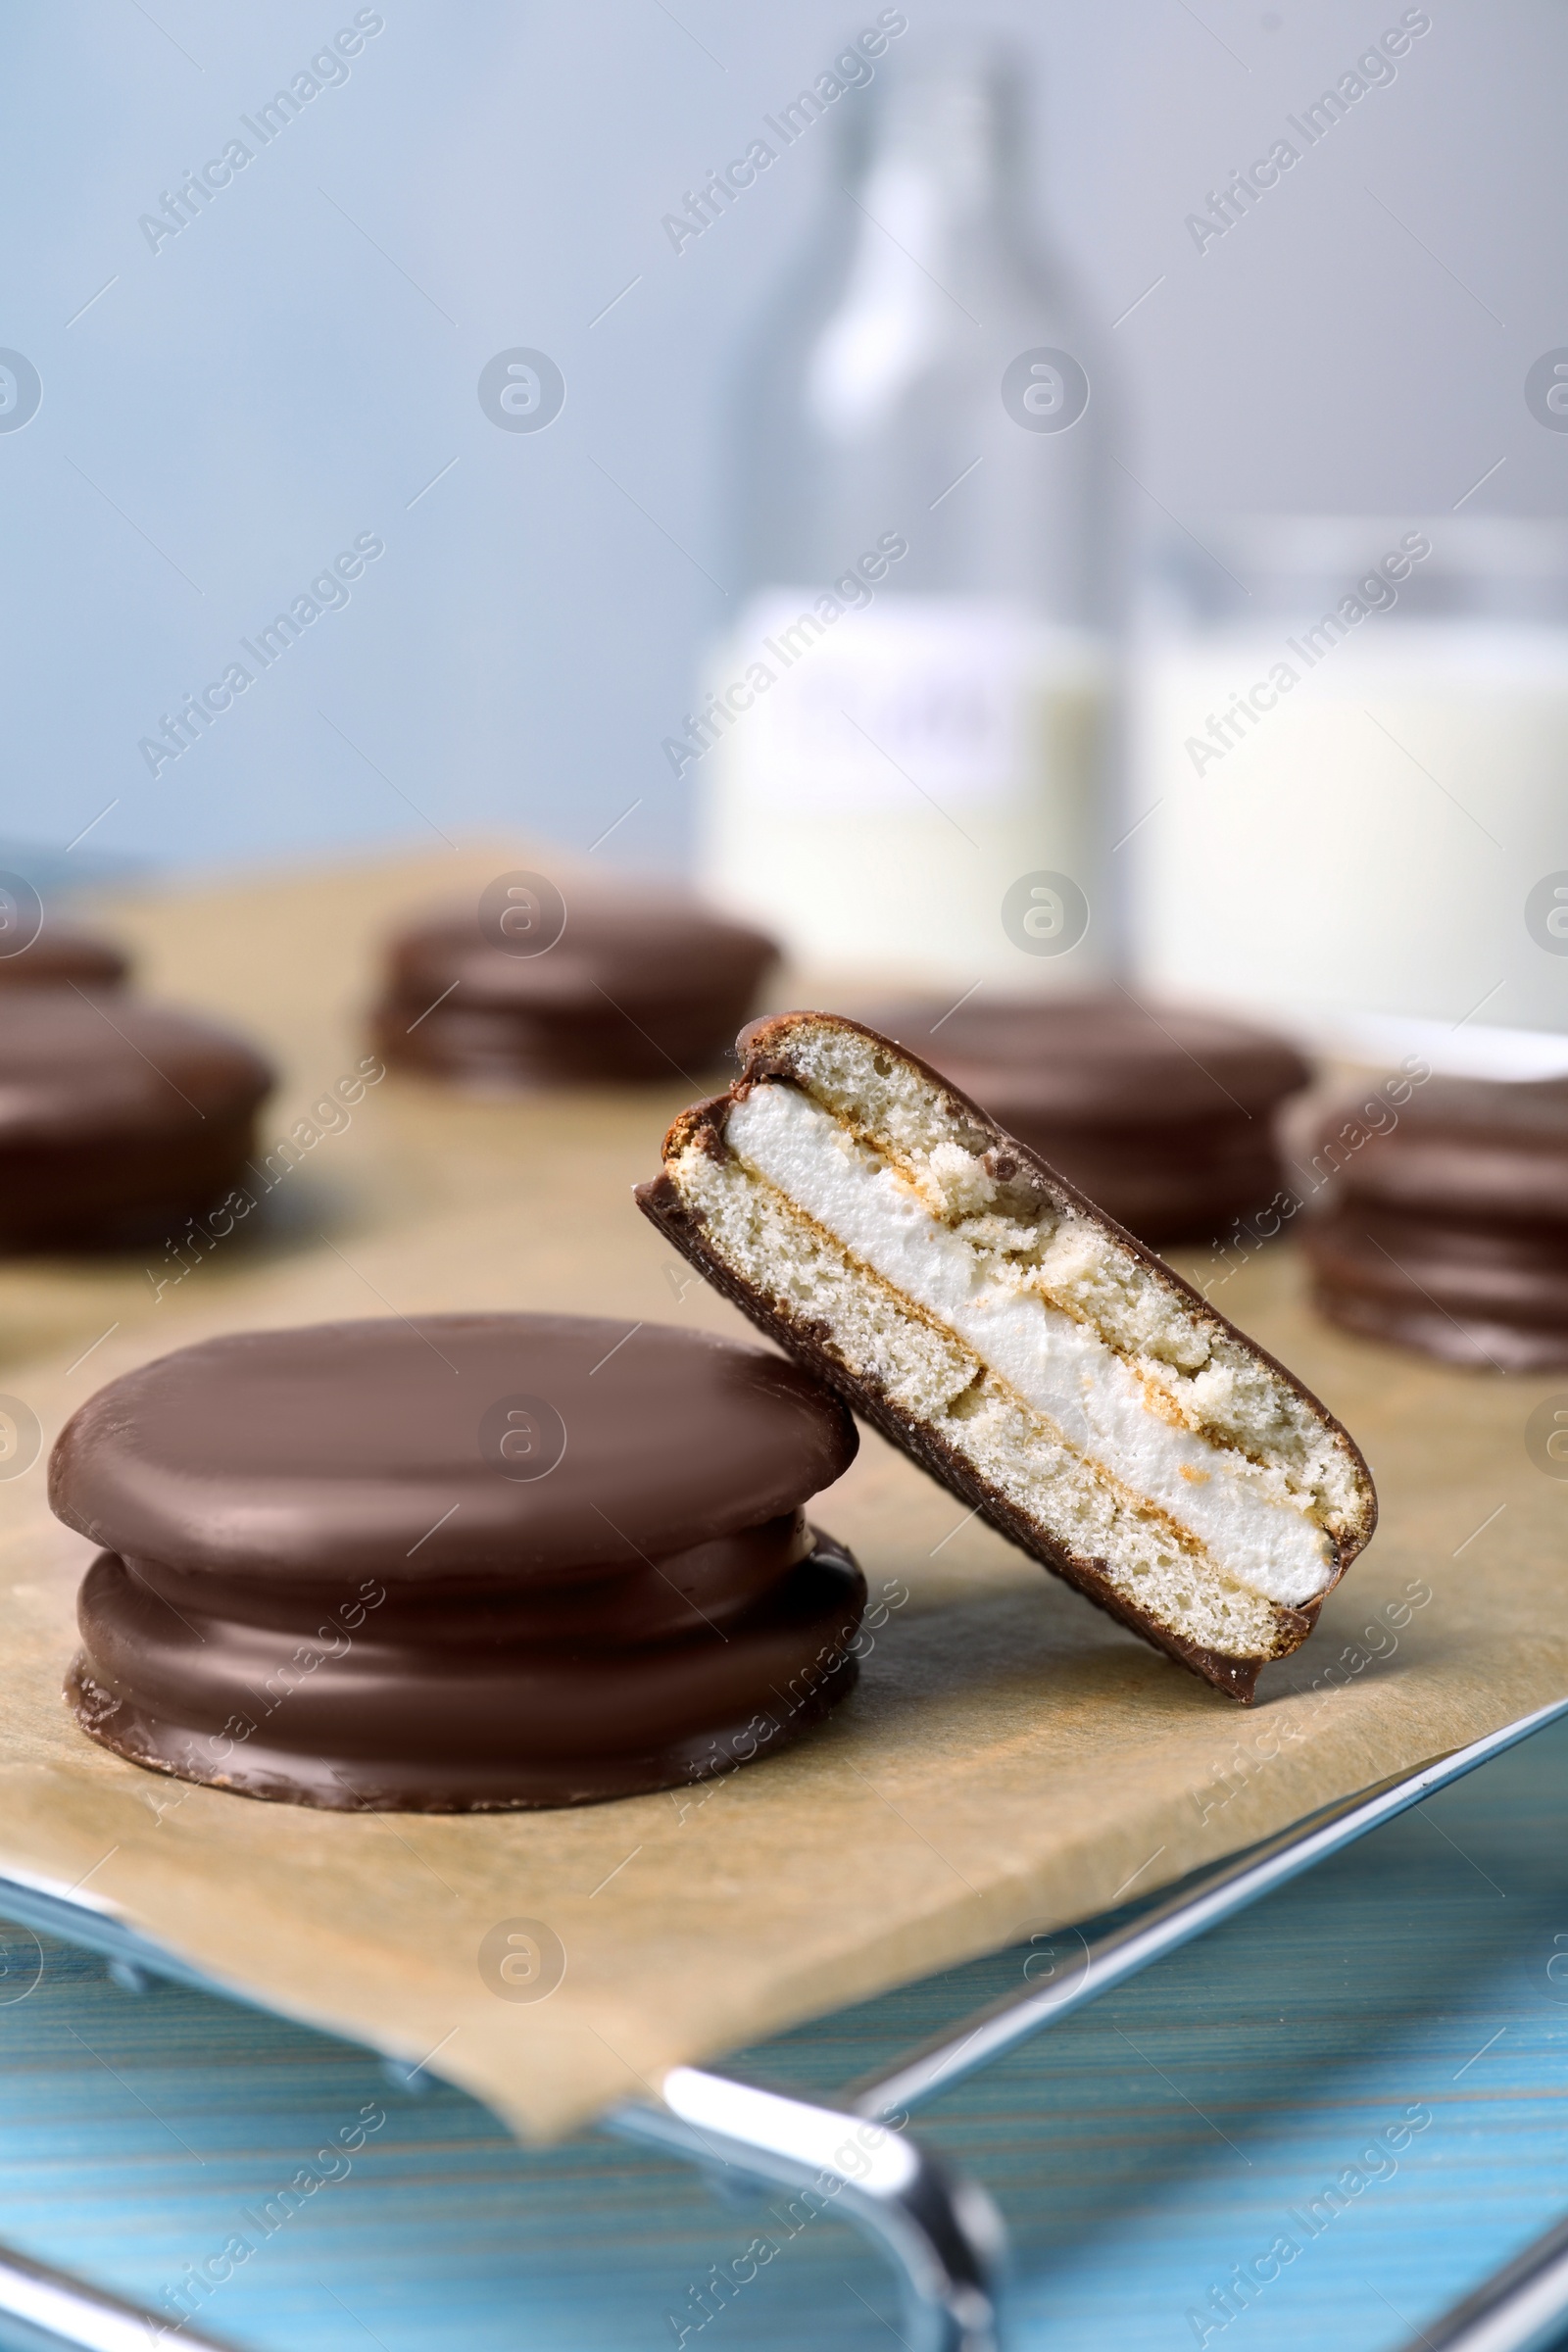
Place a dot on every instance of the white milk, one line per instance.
(878, 788)
(1370, 844)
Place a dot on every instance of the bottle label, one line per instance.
(912, 696)
(873, 788)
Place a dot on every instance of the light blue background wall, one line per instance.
(301, 360)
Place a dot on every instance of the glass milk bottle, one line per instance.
(899, 756)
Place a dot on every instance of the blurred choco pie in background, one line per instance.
(116, 1124)
(37, 952)
(1447, 1230)
(533, 986)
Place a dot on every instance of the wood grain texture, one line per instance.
(1140, 2151)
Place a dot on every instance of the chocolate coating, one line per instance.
(63, 953)
(118, 1119)
(639, 985)
(1163, 1116)
(1447, 1230)
(331, 1576)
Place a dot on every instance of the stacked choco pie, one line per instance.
(468, 1563)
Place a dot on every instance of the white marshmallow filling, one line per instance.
(938, 1229)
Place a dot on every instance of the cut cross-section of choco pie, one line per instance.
(473, 1563)
(1161, 1114)
(1017, 1342)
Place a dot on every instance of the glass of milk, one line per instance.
(1351, 763)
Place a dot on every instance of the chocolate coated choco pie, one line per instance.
(1163, 1116)
(1017, 1344)
(118, 1119)
(62, 956)
(526, 987)
(484, 1562)
(1447, 1230)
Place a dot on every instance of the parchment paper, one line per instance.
(1012, 1760)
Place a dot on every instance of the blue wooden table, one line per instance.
(1322, 2124)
